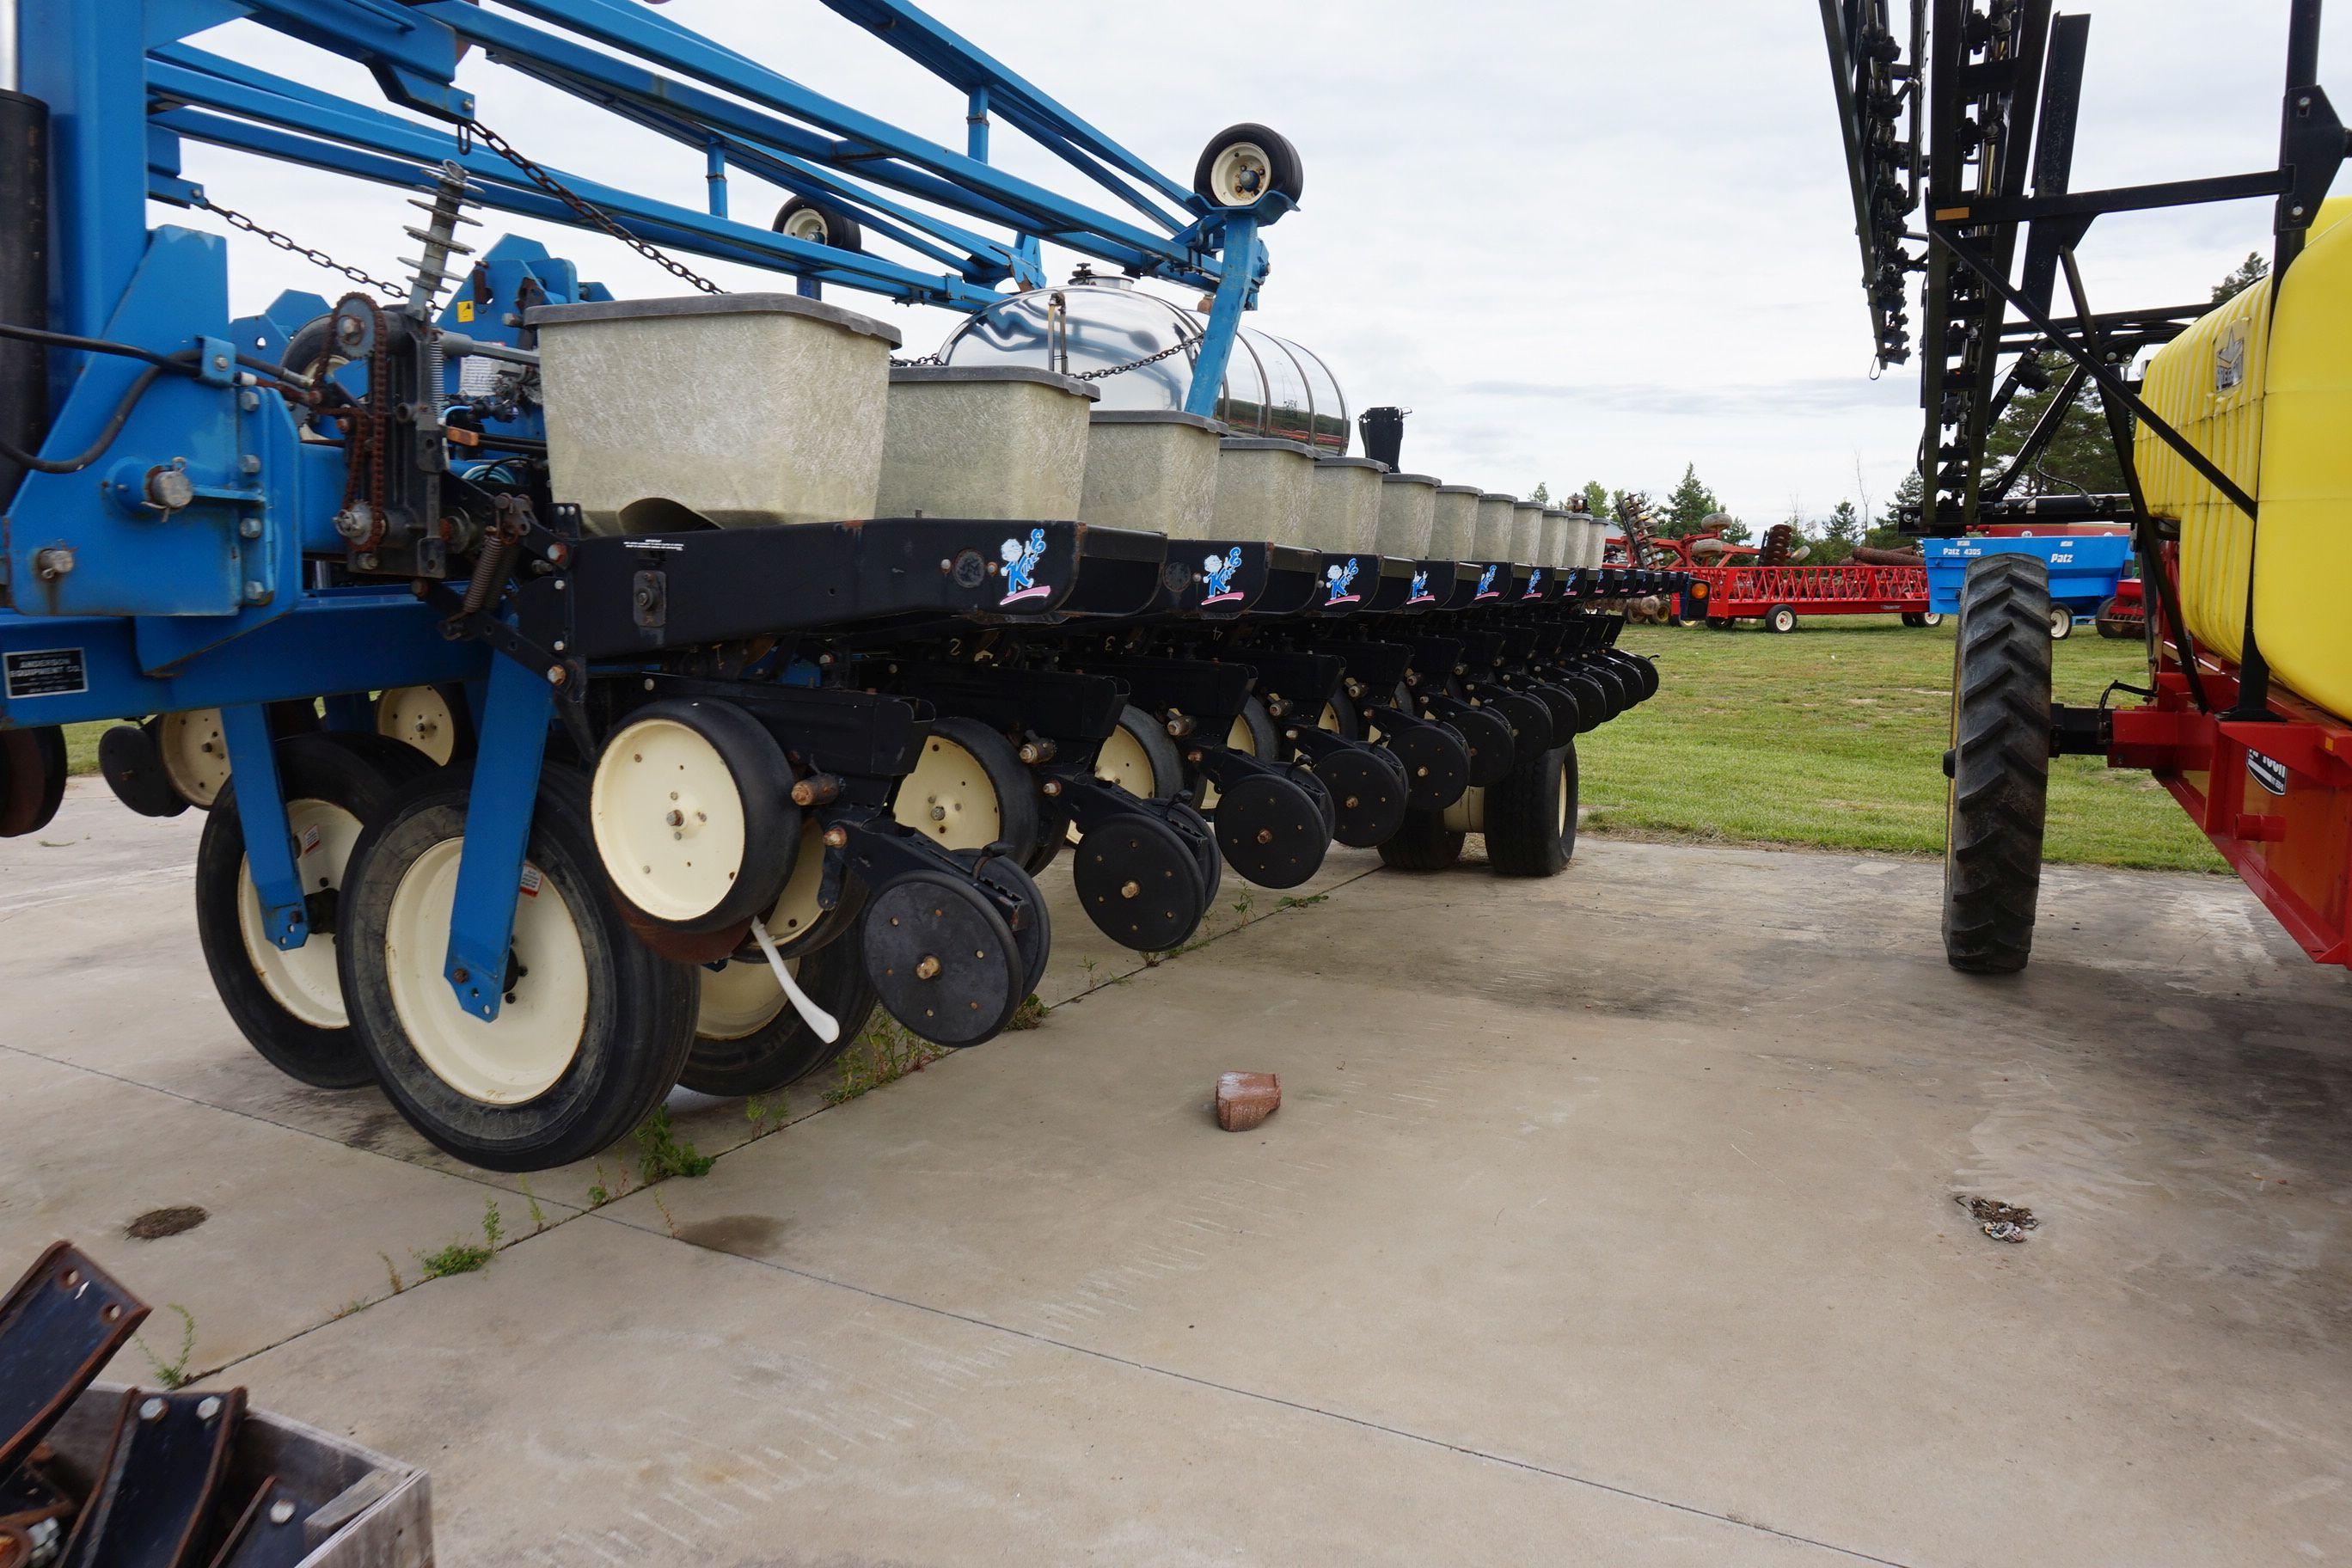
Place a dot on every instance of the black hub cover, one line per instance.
(1271, 830)
(941, 960)
(1137, 881)
(1368, 798)
(1435, 763)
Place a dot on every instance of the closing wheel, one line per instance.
(1610, 696)
(692, 815)
(32, 778)
(1529, 718)
(1368, 798)
(432, 718)
(1998, 799)
(595, 1028)
(288, 1002)
(133, 770)
(1201, 839)
(1436, 765)
(1244, 163)
(1138, 880)
(1271, 831)
(1530, 817)
(1780, 618)
(801, 218)
(1644, 669)
(1560, 699)
(969, 789)
(748, 1036)
(940, 958)
(195, 753)
(1487, 738)
(1035, 935)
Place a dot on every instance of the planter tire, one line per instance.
(1424, 844)
(1998, 797)
(1531, 815)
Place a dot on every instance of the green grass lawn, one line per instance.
(1835, 735)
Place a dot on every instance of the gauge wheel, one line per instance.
(434, 720)
(748, 1036)
(801, 218)
(1997, 801)
(596, 1026)
(288, 1002)
(693, 816)
(1244, 164)
(969, 789)
(1140, 758)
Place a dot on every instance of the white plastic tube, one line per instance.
(815, 1017)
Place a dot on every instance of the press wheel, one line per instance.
(1137, 881)
(1272, 831)
(942, 959)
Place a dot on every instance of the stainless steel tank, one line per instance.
(1273, 387)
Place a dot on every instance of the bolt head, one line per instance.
(281, 1512)
(256, 591)
(208, 1407)
(151, 1410)
(250, 528)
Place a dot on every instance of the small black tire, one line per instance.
(1781, 618)
(1342, 717)
(1914, 618)
(1424, 844)
(971, 790)
(750, 1039)
(288, 1005)
(801, 218)
(1140, 758)
(1531, 815)
(1998, 799)
(1244, 163)
(1719, 622)
(554, 1093)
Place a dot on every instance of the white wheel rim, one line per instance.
(196, 753)
(741, 999)
(797, 908)
(669, 819)
(302, 980)
(1240, 738)
(1239, 174)
(808, 224)
(522, 1054)
(1330, 721)
(1563, 803)
(1123, 762)
(948, 798)
(419, 715)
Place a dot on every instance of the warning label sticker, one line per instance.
(532, 880)
(47, 672)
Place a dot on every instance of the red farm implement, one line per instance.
(1781, 595)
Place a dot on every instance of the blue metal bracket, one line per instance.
(513, 742)
(1233, 292)
(269, 850)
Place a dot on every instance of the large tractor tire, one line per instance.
(1999, 765)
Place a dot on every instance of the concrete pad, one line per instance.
(606, 1394)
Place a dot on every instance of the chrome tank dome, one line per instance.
(1273, 387)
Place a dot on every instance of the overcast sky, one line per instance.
(1580, 238)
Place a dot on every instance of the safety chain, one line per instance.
(899, 364)
(236, 219)
(555, 187)
(1177, 347)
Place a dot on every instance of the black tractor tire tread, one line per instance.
(1999, 795)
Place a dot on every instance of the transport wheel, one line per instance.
(1531, 815)
(1141, 882)
(595, 1028)
(748, 1038)
(1719, 622)
(969, 789)
(32, 778)
(1780, 618)
(2062, 623)
(801, 218)
(432, 718)
(1424, 842)
(1999, 765)
(1243, 162)
(133, 770)
(288, 1004)
(195, 754)
(692, 815)
(941, 960)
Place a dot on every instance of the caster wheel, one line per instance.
(1244, 162)
(133, 770)
(1530, 816)
(1271, 831)
(595, 1028)
(1366, 796)
(692, 816)
(801, 218)
(432, 718)
(288, 1002)
(748, 1038)
(1141, 882)
(940, 958)
(970, 790)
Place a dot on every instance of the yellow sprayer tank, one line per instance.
(2266, 395)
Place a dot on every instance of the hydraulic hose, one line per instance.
(185, 363)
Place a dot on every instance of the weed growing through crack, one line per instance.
(172, 1374)
(466, 1257)
(1309, 901)
(885, 1053)
(662, 1153)
(1030, 1015)
(668, 1218)
(392, 1272)
(538, 1218)
(603, 1192)
(1244, 904)
(758, 1111)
